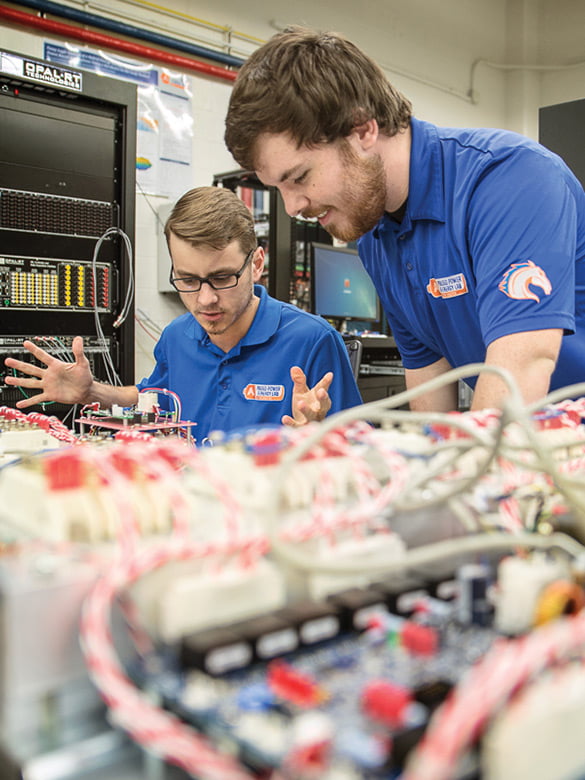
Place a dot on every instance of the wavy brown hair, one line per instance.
(214, 217)
(314, 86)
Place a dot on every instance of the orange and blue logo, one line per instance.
(520, 277)
(256, 392)
(448, 286)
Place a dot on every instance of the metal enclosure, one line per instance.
(67, 174)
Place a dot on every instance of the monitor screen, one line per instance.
(341, 287)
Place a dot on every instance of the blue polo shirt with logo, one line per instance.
(492, 243)
(250, 384)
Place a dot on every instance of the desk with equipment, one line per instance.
(381, 373)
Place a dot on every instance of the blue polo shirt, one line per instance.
(492, 243)
(250, 384)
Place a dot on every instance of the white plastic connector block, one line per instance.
(146, 402)
(203, 600)
(27, 440)
(88, 513)
(362, 556)
(520, 582)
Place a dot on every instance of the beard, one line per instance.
(231, 310)
(363, 196)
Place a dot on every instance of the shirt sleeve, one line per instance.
(522, 239)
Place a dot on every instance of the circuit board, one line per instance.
(345, 688)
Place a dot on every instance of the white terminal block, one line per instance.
(520, 582)
(88, 513)
(147, 402)
(203, 599)
(358, 561)
(27, 440)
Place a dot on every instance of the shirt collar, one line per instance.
(425, 186)
(266, 321)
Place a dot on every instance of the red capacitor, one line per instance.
(385, 702)
(419, 640)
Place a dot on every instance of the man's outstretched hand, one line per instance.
(308, 404)
(66, 383)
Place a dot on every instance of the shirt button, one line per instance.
(409, 266)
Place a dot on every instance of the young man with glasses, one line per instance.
(237, 357)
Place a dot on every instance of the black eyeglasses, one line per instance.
(189, 284)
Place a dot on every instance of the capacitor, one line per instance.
(473, 607)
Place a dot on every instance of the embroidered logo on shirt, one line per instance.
(448, 286)
(264, 392)
(518, 279)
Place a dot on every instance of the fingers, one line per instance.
(300, 380)
(32, 401)
(290, 421)
(32, 383)
(77, 349)
(26, 368)
(37, 352)
(325, 382)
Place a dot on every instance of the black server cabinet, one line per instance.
(67, 175)
(561, 130)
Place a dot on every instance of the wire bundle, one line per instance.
(155, 729)
(479, 455)
(112, 375)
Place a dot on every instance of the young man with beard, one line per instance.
(474, 238)
(237, 357)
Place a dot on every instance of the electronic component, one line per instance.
(28, 283)
(308, 599)
(473, 604)
(520, 583)
(66, 203)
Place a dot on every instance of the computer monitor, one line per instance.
(340, 286)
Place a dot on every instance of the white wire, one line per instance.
(562, 393)
(425, 555)
(381, 411)
(112, 375)
(425, 487)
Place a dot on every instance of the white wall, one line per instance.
(210, 99)
(561, 26)
(427, 48)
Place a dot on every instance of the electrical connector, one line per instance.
(206, 599)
